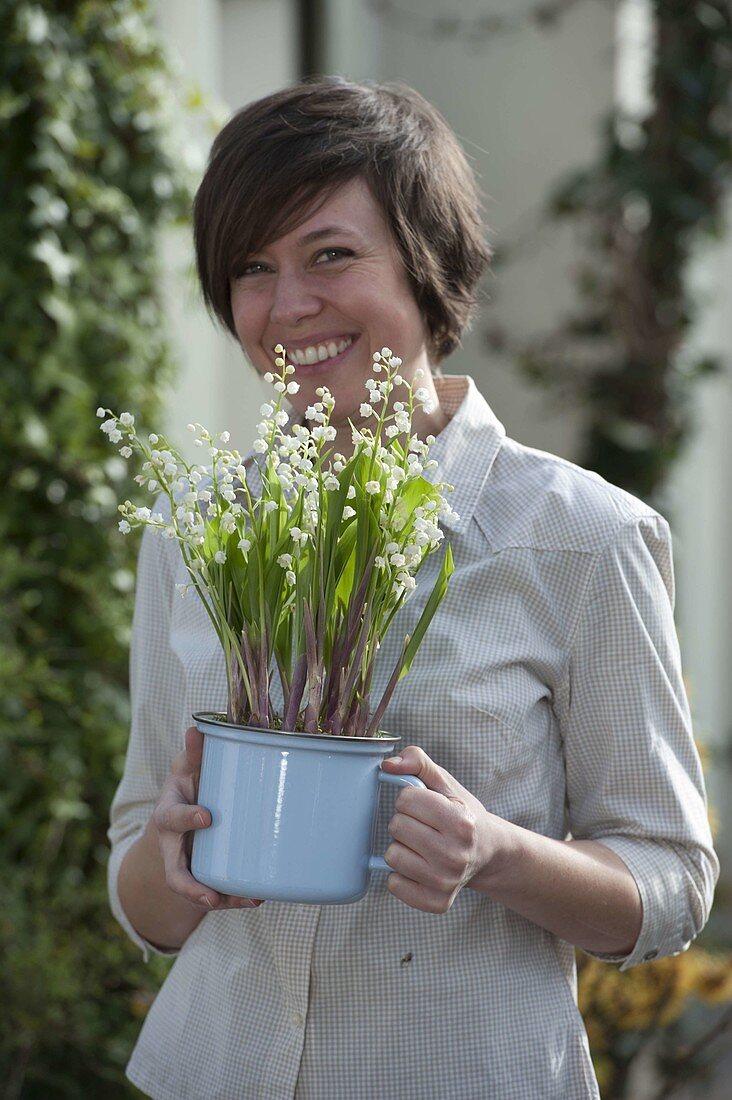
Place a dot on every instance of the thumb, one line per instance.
(414, 761)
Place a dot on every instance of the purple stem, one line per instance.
(334, 681)
(264, 675)
(252, 673)
(363, 714)
(298, 686)
(315, 680)
(356, 605)
(356, 663)
(232, 710)
(320, 631)
(388, 692)
(283, 680)
(344, 645)
(333, 719)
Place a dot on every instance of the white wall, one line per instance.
(233, 51)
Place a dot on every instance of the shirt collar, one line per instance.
(466, 447)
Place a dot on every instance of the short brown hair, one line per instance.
(277, 157)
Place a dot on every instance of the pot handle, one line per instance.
(378, 863)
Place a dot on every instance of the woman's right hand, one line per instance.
(175, 817)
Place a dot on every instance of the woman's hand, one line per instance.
(175, 817)
(442, 836)
(444, 839)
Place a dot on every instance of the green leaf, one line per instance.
(368, 533)
(345, 566)
(414, 492)
(335, 502)
(211, 537)
(436, 597)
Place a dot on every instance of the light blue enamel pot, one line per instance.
(292, 815)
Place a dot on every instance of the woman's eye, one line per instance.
(332, 254)
(253, 268)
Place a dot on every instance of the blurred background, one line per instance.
(601, 133)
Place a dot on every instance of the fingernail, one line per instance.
(199, 819)
(206, 900)
(394, 759)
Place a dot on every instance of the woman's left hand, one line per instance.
(442, 836)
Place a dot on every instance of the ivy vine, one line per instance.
(88, 175)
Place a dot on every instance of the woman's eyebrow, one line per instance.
(326, 231)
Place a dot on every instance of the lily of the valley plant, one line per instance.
(302, 557)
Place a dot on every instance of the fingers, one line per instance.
(186, 766)
(176, 817)
(229, 901)
(174, 821)
(194, 747)
(179, 817)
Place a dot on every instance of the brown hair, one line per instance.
(276, 158)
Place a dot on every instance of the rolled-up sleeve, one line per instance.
(634, 778)
(157, 720)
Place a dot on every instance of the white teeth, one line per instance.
(318, 353)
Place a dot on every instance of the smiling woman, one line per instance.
(563, 803)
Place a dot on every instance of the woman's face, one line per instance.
(332, 291)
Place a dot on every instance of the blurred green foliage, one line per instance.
(88, 176)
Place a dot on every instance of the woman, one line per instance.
(564, 802)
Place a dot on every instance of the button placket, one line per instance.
(293, 941)
(292, 930)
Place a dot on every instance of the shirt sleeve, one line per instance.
(157, 719)
(634, 779)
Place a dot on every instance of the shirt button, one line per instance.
(650, 955)
(297, 1019)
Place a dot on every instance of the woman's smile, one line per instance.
(317, 353)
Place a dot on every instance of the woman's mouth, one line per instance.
(313, 357)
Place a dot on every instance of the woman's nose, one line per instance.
(292, 300)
